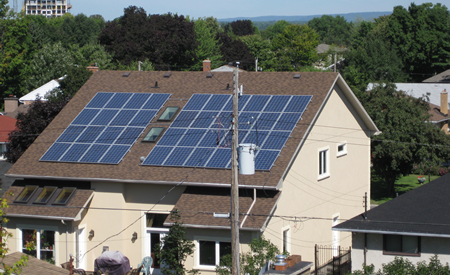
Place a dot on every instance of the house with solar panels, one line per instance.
(131, 147)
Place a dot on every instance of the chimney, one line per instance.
(206, 65)
(93, 68)
(444, 102)
(11, 103)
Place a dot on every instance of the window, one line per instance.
(342, 149)
(65, 195)
(156, 231)
(211, 252)
(401, 245)
(153, 134)
(324, 169)
(26, 194)
(39, 243)
(168, 114)
(45, 195)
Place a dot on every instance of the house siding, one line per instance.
(430, 246)
(340, 194)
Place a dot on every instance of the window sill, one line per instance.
(323, 176)
(205, 267)
(341, 154)
(401, 254)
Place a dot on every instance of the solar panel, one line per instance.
(105, 130)
(200, 136)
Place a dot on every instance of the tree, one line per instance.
(402, 265)
(91, 53)
(406, 138)
(261, 251)
(373, 61)
(69, 86)
(272, 31)
(4, 8)
(29, 126)
(233, 50)
(50, 62)
(241, 27)
(419, 35)
(175, 248)
(332, 29)
(296, 47)
(261, 49)
(16, 268)
(208, 45)
(80, 30)
(168, 41)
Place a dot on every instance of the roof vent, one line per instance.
(167, 75)
(296, 76)
(228, 86)
(209, 75)
(156, 85)
(126, 74)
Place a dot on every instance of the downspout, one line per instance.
(365, 248)
(250, 209)
(67, 242)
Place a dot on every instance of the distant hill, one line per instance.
(305, 18)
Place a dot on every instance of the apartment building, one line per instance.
(48, 8)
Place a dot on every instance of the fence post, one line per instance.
(316, 258)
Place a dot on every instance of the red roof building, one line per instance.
(7, 125)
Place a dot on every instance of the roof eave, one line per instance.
(391, 232)
(357, 105)
(208, 184)
(200, 226)
(40, 217)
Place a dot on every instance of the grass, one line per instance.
(402, 185)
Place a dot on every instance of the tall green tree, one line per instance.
(80, 30)
(406, 137)
(261, 49)
(69, 86)
(296, 47)
(273, 30)
(233, 49)
(208, 45)
(332, 29)
(420, 35)
(241, 27)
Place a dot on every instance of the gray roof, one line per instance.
(424, 211)
(431, 90)
(439, 78)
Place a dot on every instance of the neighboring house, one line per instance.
(443, 77)
(332, 56)
(435, 94)
(132, 146)
(46, 8)
(39, 93)
(7, 125)
(414, 225)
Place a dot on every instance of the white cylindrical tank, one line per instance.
(247, 158)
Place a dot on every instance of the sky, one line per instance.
(111, 9)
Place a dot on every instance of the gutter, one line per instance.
(392, 232)
(40, 217)
(224, 185)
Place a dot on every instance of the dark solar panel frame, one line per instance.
(107, 127)
(194, 139)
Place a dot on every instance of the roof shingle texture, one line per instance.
(424, 210)
(71, 210)
(34, 266)
(182, 85)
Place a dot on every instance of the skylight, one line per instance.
(153, 134)
(26, 194)
(65, 195)
(45, 195)
(168, 113)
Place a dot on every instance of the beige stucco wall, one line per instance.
(429, 247)
(317, 201)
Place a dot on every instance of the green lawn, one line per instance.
(403, 185)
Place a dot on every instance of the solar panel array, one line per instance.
(200, 136)
(106, 128)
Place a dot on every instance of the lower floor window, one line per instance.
(399, 244)
(211, 252)
(39, 243)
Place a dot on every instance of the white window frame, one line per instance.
(323, 162)
(341, 153)
(38, 237)
(216, 250)
(288, 238)
(162, 231)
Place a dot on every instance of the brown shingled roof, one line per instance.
(182, 85)
(197, 206)
(34, 266)
(436, 115)
(70, 211)
(443, 77)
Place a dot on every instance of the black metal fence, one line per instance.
(333, 260)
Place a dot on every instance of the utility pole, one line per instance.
(234, 179)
